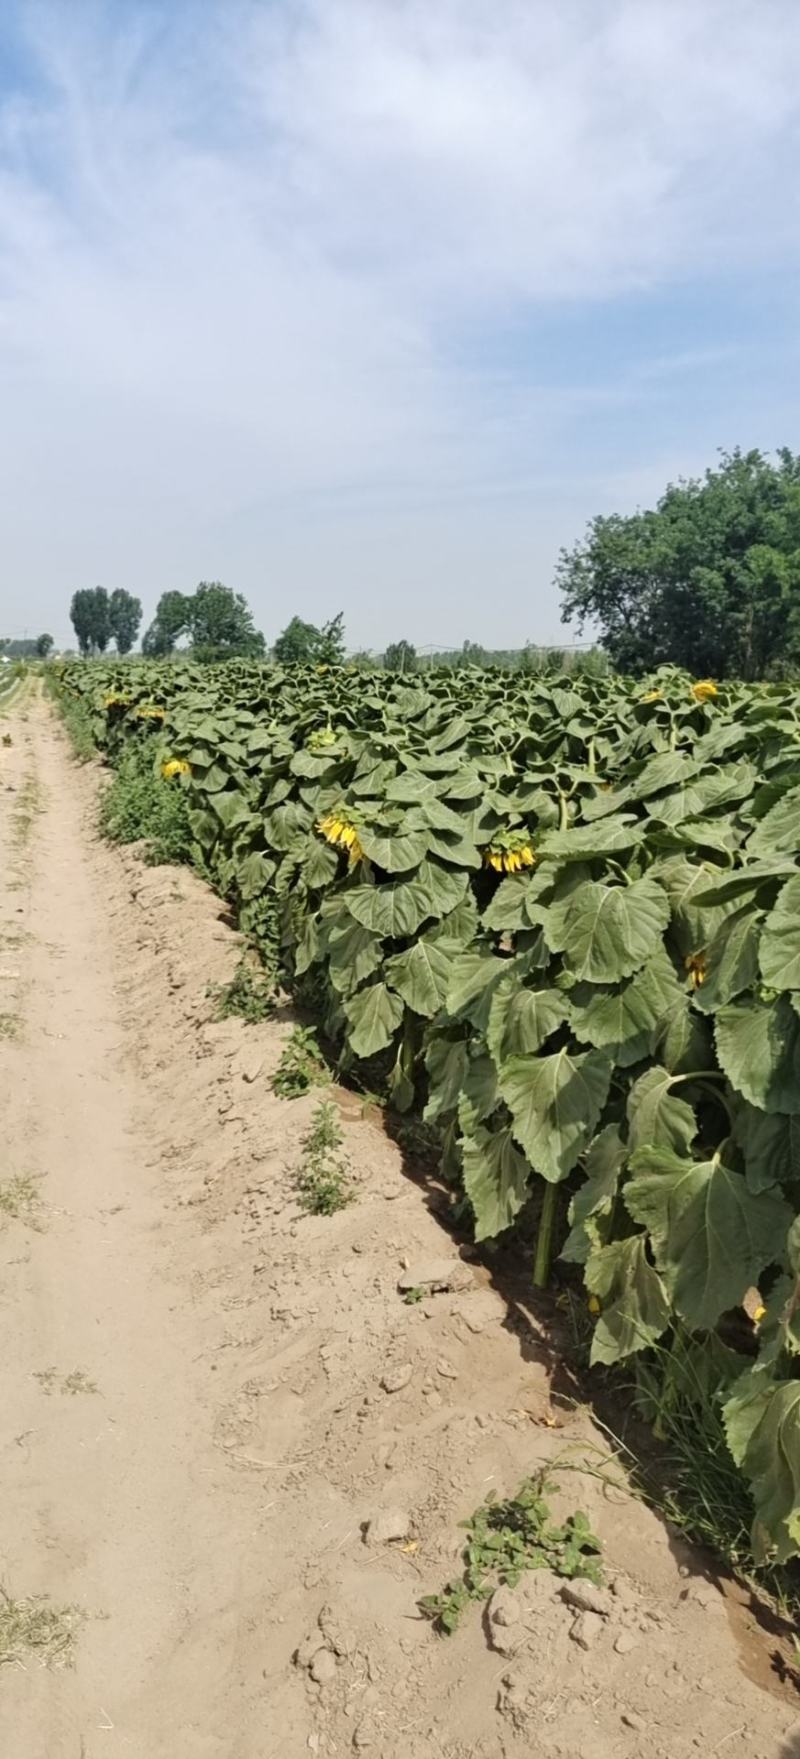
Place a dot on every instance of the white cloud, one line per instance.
(241, 245)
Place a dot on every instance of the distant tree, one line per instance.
(709, 579)
(170, 622)
(89, 615)
(400, 656)
(43, 645)
(221, 622)
(304, 644)
(124, 615)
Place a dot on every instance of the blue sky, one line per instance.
(372, 304)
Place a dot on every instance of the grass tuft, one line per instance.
(19, 1198)
(323, 1178)
(33, 1627)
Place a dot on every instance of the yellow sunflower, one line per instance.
(175, 766)
(704, 690)
(148, 711)
(695, 964)
(340, 831)
(509, 860)
(651, 696)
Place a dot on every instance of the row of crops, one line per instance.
(564, 919)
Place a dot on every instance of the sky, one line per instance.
(372, 305)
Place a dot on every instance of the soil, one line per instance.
(208, 1395)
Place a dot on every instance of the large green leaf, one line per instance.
(495, 1180)
(743, 881)
(473, 980)
(395, 911)
(758, 1045)
(593, 1202)
(657, 1114)
(611, 836)
(624, 1021)
(712, 1236)
(555, 1103)
(607, 932)
(521, 1019)
(778, 833)
(374, 1015)
(353, 955)
(762, 1420)
(446, 1062)
(634, 1305)
(394, 852)
(421, 975)
(770, 1144)
(731, 961)
(780, 941)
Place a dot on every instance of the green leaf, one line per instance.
(446, 1063)
(712, 1236)
(594, 1200)
(374, 1015)
(606, 932)
(479, 1096)
(635, 1308)
(657, 1115)
(555, 1102)
(778, 832)
(395, 853)
(743, 880)
(521, 1019)
(624, 1022)
(770, 1144)
(395, 911)
(321, 865)
(780, 940)
(421, 975)
(507, 908)
(611, 836)
(474, 977)
(495, 1180)
(353, 955)
(758, 1045)
(731, 961)
(762, 1418)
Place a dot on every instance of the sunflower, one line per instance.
(695, 964)
(512, 857)
(320, 740)
(339, 830)
(593, 1305)
(148, 711)
(651, 696)
(704, 690)
(114, 701)
(175, 766)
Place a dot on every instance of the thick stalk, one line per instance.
(544, 1240)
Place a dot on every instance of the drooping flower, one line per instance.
(593, 1305)
(704, 690)
(113, 700)
(175, 766)
(695, 964)
(511, 856)
(149, 711)
(338, 829)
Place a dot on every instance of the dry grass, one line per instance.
(19, 1198)
(34, 1629)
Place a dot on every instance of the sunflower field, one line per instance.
(562, 919)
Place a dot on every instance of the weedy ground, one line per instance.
(19, 1198)
(34, 1628)
(302, 1065)
(139, 805)
(323, 1177)
(250, 995)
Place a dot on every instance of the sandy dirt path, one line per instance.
(205, 1396)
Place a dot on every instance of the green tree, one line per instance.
(400, 656)
(304, 644)
(43, 645)
(221, 622)
(170, 622)
(709, 579)
(89, 615)
(124, 615)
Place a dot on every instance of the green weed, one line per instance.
(19, 1198)
(504, 1539)
(33, 1627)
(250, 995)
(301, 1066)
(323, 1181)
(9, 1025)
(140, 805)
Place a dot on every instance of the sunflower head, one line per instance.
(338, 829)
(511, 853)
(149, 711)
(651, 696)
(113, 700)
(704, 690)
(175, 766)
(695, 964)
(322, 739)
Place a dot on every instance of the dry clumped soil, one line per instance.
(232, 1457)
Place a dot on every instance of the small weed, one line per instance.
(9, 1025)
(28, 804)
(78, 726)
(412, 1297)
(504, 1539)
(323, 1177)
(19, 1198)
(301, 1066)
(76, 1382)
(250, 995)
(33, 1627)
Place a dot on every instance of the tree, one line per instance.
(400, 656)
(43, 645)
(304, 644)
(89, 615)
(170, 622)
(221, 622)
(124, 615)
(709, 580)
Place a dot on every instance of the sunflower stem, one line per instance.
(544, 1240)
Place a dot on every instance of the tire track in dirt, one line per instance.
(205, 1506)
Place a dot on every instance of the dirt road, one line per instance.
(206, 1396)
